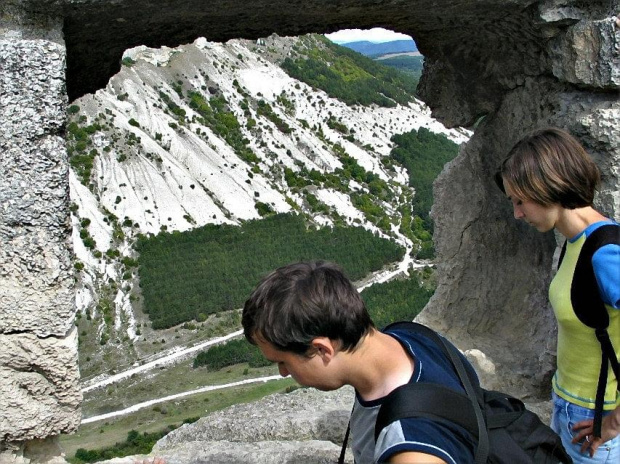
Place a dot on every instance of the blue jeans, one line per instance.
(565, 415)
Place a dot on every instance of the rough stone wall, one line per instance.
(507, 65)
(39, 378)
(494, 270)
(278, 428)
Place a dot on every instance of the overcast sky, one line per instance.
(376, 34)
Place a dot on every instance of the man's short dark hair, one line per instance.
(297, 303)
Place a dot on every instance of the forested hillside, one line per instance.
(349, 76)
(411, 65)
(424, 154)
(214, 268)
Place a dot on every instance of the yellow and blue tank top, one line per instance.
(578, 351)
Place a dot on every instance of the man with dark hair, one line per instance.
(309, 319)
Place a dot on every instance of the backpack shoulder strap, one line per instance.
(590, 309)
(467, 378)
(432, 401)
(585, 296)
(562, 253)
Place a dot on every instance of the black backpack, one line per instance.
(506, 432)
(590, 309)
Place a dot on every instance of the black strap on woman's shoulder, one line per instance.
(591, 311)
(562, 253)
(343, 450)
(585, 296)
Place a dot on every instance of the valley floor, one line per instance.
(146, 404)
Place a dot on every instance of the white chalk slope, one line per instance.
(152, 172)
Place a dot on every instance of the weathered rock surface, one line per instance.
(37, 386)
(227, 452)
(305, 426)
(39, 377)
(36, 290)
(278, 417)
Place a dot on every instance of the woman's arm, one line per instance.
(610, 429)
(606, 262)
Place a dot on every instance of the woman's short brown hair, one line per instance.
(549, 166)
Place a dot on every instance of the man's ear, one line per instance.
(325, 348)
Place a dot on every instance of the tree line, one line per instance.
(189, 275)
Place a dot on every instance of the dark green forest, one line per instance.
(397, 300)
(229, 354)
(424, 154)
(214, 268)
(411, 65)
(349, 76)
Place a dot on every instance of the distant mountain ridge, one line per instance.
(384, 48)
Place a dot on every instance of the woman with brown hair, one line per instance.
(551, 182)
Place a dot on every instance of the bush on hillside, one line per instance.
(135, 443)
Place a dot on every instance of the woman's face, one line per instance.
(542, 218)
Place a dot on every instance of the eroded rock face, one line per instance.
(266, 430)
(39, 377)
(576, 60)
(305, 426)
(521, 64)
(37, 384)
